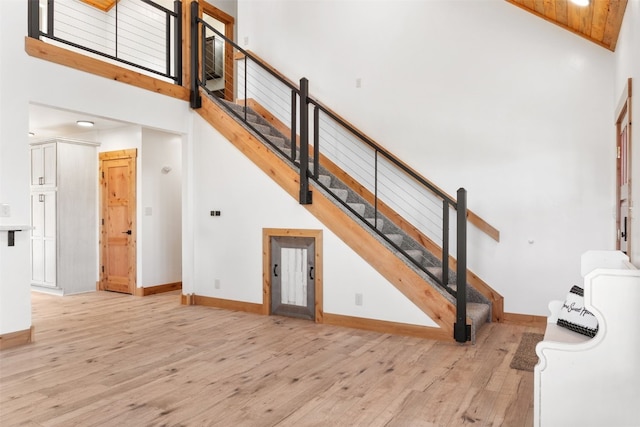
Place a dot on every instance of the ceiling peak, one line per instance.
(599, 21)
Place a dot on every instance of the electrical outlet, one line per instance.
(358, 82)
(5, 210)
(358, 299)
(216, 283)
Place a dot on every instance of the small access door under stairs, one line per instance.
(292, 287)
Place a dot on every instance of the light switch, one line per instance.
(358, 299)
(148, 211)
(5, 210)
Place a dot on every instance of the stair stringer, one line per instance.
(433, 303)
(496, 299)
(497, 310)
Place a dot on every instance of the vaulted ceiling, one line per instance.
(598, 22)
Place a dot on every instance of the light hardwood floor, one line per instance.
(107, 359)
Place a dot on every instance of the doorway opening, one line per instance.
(118, 221)
(623, 172)
(292, 273)
(218, 55)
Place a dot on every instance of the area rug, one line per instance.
(525, 357)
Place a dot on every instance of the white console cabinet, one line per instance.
(593, 382)
(64, 177)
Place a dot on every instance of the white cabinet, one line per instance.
(64, 185)
(43, 238)
(593, 382)
(43, 164)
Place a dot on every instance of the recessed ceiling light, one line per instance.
(84, 123)
(580, 2)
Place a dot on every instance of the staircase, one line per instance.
(414, 255)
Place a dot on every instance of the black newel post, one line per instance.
(33, 19)
(305, 194)
(177, 41)
(195, 100)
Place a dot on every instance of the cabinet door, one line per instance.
(43, 164)
(50, 240)
(37, 241)
(37, 165)
(43, 238)
(50, 164)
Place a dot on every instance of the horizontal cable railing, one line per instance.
(256, 86)
(405, 193)
(142, 34)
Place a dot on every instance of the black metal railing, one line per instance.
(137, 33)
(387, 179)
(390, 182)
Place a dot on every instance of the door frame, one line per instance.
(127, 154)
(267, 234)
(624, 111)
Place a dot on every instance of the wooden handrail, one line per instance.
(472, 217)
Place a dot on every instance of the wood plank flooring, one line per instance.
(107, 359)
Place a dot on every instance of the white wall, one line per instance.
(628, 65)
(228, 248)
(160, 207)
(15, 298)
(472, 94)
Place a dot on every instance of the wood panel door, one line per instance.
(623, 172)
(118, 226)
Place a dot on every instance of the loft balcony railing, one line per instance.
(138, 33)
(260, 88)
